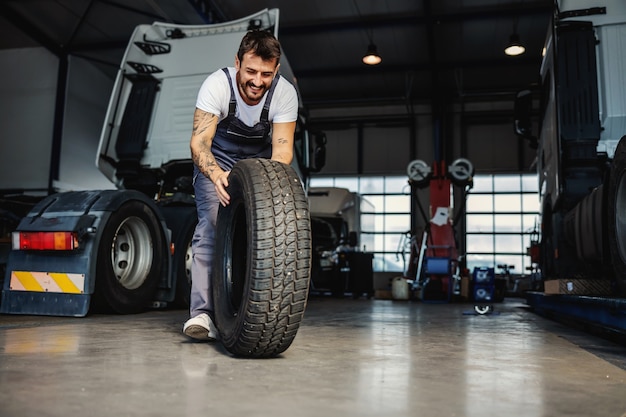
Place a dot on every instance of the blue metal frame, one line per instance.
(608, 312)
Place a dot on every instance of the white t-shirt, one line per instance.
(214, 97)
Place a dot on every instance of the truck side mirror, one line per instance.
(521, 113)
(319, 152)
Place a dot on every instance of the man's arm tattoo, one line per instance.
(204, 158)
(201, 122)
(205, 161)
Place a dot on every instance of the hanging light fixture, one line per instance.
(372, 57)
(515, 46)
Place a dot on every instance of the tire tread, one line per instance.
(280, 260)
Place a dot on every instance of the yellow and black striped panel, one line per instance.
(47, 282)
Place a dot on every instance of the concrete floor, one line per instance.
(350, 358)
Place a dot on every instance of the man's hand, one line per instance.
(221, 182)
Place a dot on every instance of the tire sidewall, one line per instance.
(618, 170)
(228, 317)
(108, 291)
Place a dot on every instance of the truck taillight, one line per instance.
(45, 241)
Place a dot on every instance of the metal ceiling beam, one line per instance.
(209, 10)
(78, 25)
(132, 9)
(29, 29)
(542, 8)
(99, 46)
(422, 96)
(427, 66)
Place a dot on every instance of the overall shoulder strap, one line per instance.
(232, 104)
(266, 107)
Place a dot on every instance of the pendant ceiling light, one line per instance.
(515, 46)
(372, 57)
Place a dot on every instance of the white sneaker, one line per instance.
(200, 327)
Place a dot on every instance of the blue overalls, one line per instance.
(233, 141)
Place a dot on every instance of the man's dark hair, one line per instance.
(262, 43)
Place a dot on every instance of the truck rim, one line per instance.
(131, 253)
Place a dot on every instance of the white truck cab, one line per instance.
(128, 248)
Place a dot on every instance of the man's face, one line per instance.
(254, 77)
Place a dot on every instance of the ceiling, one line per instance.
(432, 50)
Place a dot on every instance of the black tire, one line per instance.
(132, 259)
(546, 246)
(263, 259)
(616, 215)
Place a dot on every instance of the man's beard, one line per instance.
(245, 88)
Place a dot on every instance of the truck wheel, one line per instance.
(263, 259)
(616, 210)
(131, 259)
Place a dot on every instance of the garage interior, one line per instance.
(444, 91)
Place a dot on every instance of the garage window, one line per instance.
(501, 217)
(385, 215)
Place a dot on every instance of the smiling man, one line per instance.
(248, 111)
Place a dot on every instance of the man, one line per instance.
(248, 111)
